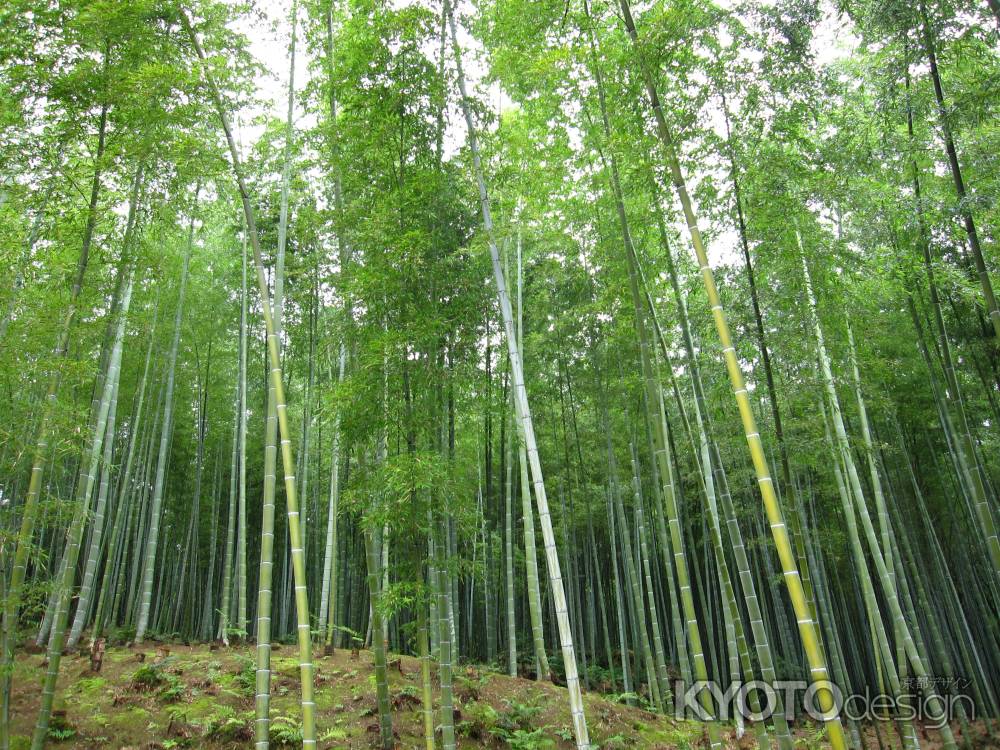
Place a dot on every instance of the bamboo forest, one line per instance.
(500, 373)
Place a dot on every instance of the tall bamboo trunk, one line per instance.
(524, 415)
(963, 445)
(328, 595)
(992, 309)
(808, 631)
(29, 512)
(153, 537)
(74, 536)
(877, 554)
(241, 542)
(509, 558)
(288, 461)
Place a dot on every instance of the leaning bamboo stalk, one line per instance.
(288, 461)
(265, 588)
(659, 437)
(877, 554)
(124, 491)
(713, 464)
(808, 631)
(521, 396)
(765, 355)
(97, 535)
(97, 529)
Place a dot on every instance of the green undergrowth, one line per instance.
(151, 698)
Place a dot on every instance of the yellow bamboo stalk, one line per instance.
(808, 630)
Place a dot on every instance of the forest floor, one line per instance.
(160, 697)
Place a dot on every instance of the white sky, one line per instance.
(269, 40)
(269, 43)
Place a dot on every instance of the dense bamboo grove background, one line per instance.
(605, 344)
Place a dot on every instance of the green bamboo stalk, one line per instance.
(288, 462)
(445, 657)
(964, 208)
(207, 613)
(228, 555)
(964, 446)
(30, 511)
(84, 599)
(654, 621)
(527, 512)
(74, 536)
(638, 608)
(711, 463)
(877, 554)
(619, 608)
(883, 657)
(97, 534)
(808, 631)
(426, 695)
(327, 615)
(329, 589)
(153, 538)
(520, 395)
(509, 558)
(125, 491)
(265, 591)
(531, 563)
(241, 539)
(378, 642)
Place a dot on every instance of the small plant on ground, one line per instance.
(616, 742)
(519, 715)
(230, 728)
(172, 691)
(467, 686)
(285, 732)
(236, 635)
(148, 677)
(246, 677)
(121, 636)
(634, 699)
(408, 695)
(60, 730)
(522, 739)
(564, 733)
(517, 727)
(479, 721)
(354, 638)
(333, 734)
(90, 684)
